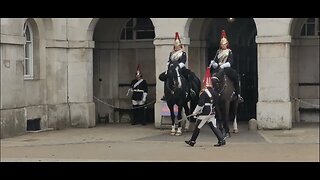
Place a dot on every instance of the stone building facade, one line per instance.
(60, 70)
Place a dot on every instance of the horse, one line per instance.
(227, 102)
(177, 92)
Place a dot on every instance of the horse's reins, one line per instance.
(174, 82)
(224, 86)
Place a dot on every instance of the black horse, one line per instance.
(177, 92)
(227, 103)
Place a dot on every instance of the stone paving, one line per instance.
(123, 142)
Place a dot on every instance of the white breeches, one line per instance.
(207, 118)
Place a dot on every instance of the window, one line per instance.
(28, 52)
(310, 27)
(138, 28)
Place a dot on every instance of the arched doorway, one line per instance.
(241, 32)
(120, 45)
(305, 83)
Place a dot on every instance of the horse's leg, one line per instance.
(226, 118)
(179, 132)
(219, 119)
(173, 128)
(187, 111)
(234, 115)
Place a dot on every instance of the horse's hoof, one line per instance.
(235, 131)
(173, 133)
(178, 134)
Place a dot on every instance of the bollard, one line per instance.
(253, 125)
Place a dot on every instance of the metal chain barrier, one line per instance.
(305, 102)
(112, 106)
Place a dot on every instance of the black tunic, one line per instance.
(138, 91)
(205, 100)
(230, 58)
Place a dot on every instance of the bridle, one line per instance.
(225, 84)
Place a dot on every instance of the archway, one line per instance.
(120, 45)
(241, 33)
(304, 62)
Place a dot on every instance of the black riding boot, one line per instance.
(218, 134)
(194, 137)
(233, 75)
(237, 90)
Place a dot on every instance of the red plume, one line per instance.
(223, 34)
(207, 78)
(177, 42)
(138, 70)
(177, 36)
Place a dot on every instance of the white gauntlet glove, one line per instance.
(197, 110)
(227, 64)
(181, 65)
(129, 90)
(214, 65)
(144, 97)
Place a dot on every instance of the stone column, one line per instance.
(163, 46)
(274, 108)
(12, 100)
(80, 83)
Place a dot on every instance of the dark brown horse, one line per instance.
(227, 103)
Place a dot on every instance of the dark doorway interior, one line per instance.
(241, 35)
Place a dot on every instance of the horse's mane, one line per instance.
(221, 81)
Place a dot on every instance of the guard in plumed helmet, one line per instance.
(205, 111)
(223, 61)
(178, 55)
(139, 90)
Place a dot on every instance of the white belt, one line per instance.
(138, 90)
(207, 104)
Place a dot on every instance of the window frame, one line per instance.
(28, 61)
(306, 24)
(134, 31)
